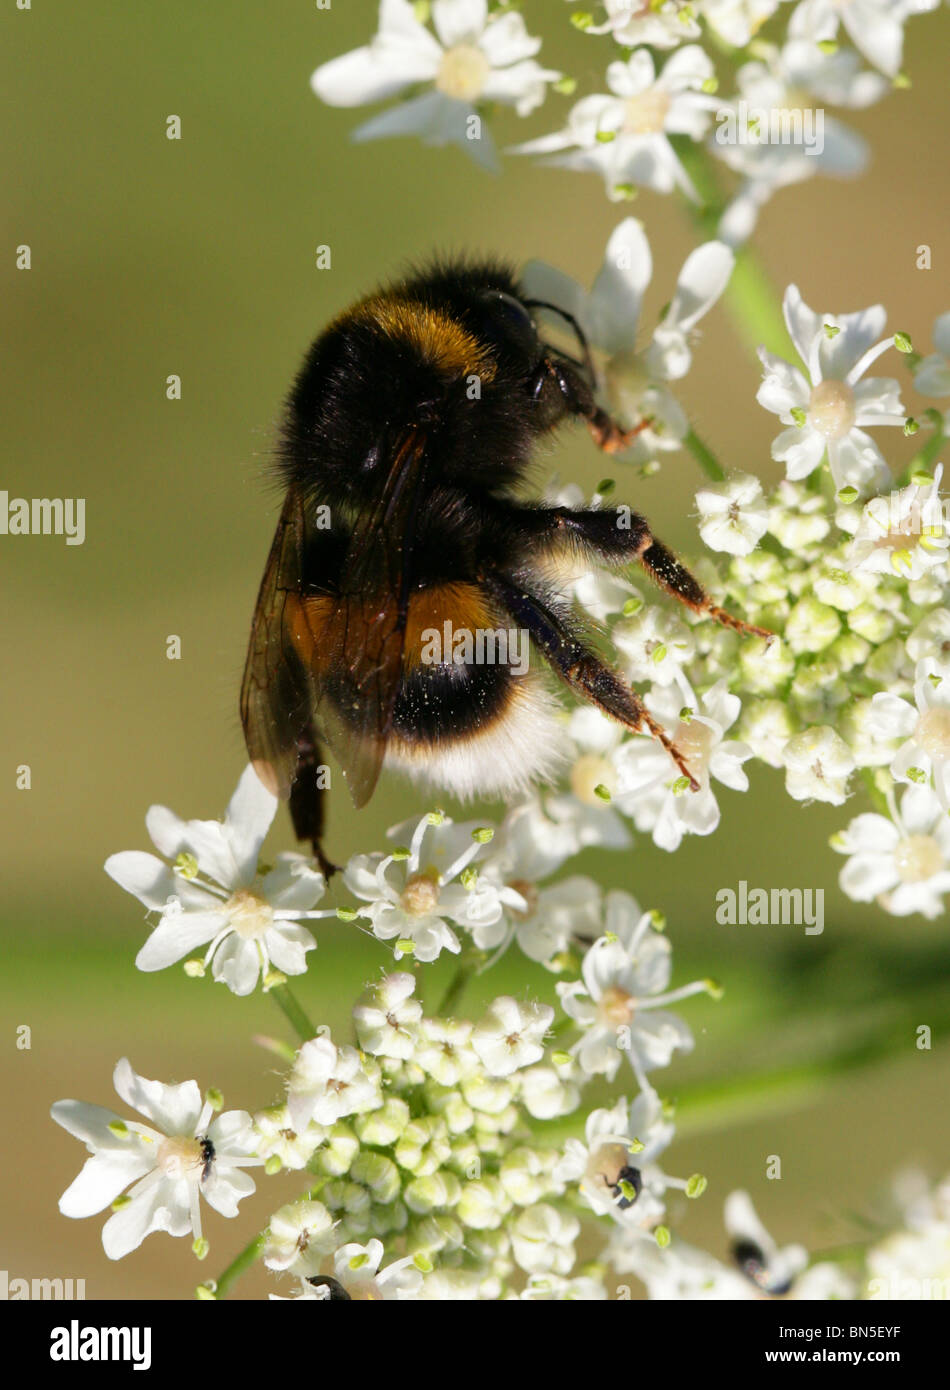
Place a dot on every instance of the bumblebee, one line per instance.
(406, 436)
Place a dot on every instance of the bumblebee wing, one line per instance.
(357, 648)
(276, 694)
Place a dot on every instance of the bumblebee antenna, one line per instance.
(568, 318)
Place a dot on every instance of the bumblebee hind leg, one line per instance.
(581, 669)
(308, 798)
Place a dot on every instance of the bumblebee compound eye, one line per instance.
(508, 324)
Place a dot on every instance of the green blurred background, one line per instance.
(196, 257)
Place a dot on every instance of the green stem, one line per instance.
(467, 967)
(878, 799)
(286, 1001)
(705, 457)
(240, 1265)
(735, 1100)
(751, 299)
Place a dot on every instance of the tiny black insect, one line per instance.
(207, 1158)
(337, 1293)
(754, 1264)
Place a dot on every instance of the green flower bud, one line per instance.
(811, 626)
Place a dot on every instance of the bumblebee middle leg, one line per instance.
(581, 669)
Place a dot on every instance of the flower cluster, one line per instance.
(452, 61)
(435, 1146)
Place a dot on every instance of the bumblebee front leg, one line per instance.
(581, 669)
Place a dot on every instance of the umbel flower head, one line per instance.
(181, 1153)
(213, 892)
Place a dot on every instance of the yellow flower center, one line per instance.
(606, 1164)
(463, 72)
(420, 895)
(831, 409)
(695, 741)
(591, 771)
(617, 1006)
(933, 732)
(250, 914)
(646, 114)
(530, 894)
(917, 858)
(178, 1156)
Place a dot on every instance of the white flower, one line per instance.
(511, 1035)
(472, 58)
(778, 1271)
(553, 1288)
(767, 725)
(356, 1275)
(931, 637)
(875, 27)
(215, 893)
(925, 727)
(650, 786)
(679, 1273)
(904, 862)
(542, 1239)
(818, 764)
(654, 645)
(786, 90)
(185, 1152)
(328, 1082)
(932, 377)
(444, 1050)
(762, 1270)
(277, 1137)
(298, 1237)
(547, 1092)
(625, 136)
(556, 915)
(798, 517)
(632, 372)
(771, 1269)
(684, 1274)
(387, 1017)
(914, 1262)
(619, 1001)
(614, 1165)
(826, 409)
(734, 515)
(737, 21)
(664, 24)
(413, 893)
(902, 533)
